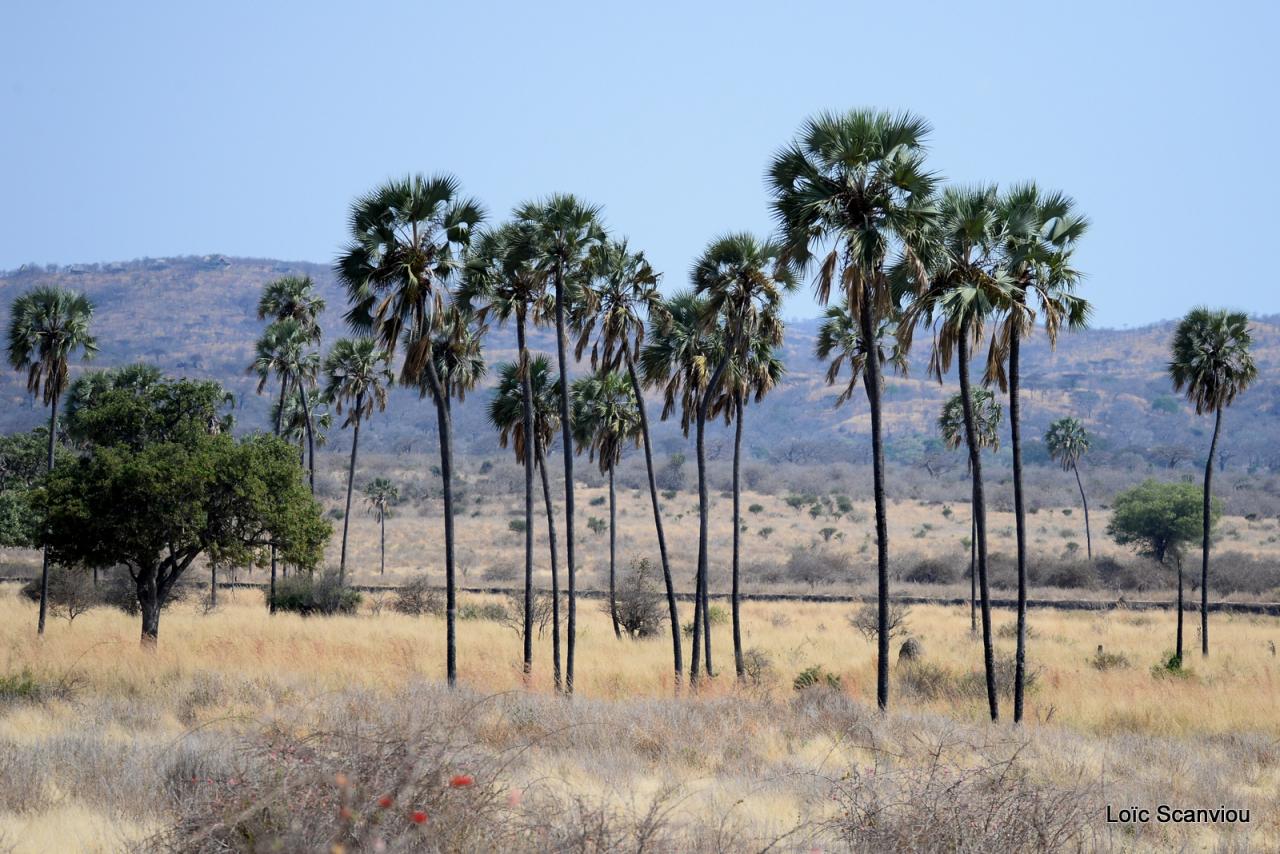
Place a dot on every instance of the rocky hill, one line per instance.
(195, 316)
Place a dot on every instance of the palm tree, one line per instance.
(856, 184)
(962, 288)
(47, 325)
(1037, 237)
(295, 415)
(502, 279)
(678, 359)
(507, 415)
(282, 351)
(742, 280)
(564, 232)
(407, 240)
(380, 493)
(606, 418)
(294, 298)
(986, 417)
(357, 376)
(1211, 362)
(1067, 441)
(623, 292)
(754, 372)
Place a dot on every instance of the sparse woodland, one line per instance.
(620, 462)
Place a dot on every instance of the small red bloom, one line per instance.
(385, 802)
(461, 781)
(345, 813)
(419, 817)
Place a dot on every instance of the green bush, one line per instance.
(1171, 668)
(1105, 661)
(19, 686)
(493, 611)
(320, 594)
(598, 501)
(814, 677)
(756, 508)
(516, 525)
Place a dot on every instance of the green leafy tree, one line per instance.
(621, 297)
(507, 415)
(23, 461)
(380, 493)
(171, 489)
(408, 243)
(1211, 362)
(606, 419)
(1068, 441)
(47, 326)
(565, 231)
(1160, 519)
(357, 378)
(850, 191)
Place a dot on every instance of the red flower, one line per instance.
(418, 817)
(345, 813)
(385, 802)
(461, 781)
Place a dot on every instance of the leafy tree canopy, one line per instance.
(1160, 518)
(162, 483)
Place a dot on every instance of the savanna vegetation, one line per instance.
(334, 715)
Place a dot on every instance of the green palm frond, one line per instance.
(47, 325)
(1211, 359)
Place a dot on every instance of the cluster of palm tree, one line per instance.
(891, 251)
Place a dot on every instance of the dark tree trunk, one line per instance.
(872, 383)
(1088, 533)
(311, 438)
(351, 479)
(613, 550)
(271, 599)
(1178, 560)
(555, 573)
(1020, 517)
(213, 584)
(382, 528)
(566, 437)
(526, 402)
(1204, 543)
(673, 611)
(702, 613)
(445, 427)
(149, 602)
(980, 515)
(284, 385)
(44, 561)
(739, 663)
(973, 572)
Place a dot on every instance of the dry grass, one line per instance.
(96, 757)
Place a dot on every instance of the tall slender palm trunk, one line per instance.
(311, 437)
(444, 421)
(872, 384)
(351, 479)
(44, 561)
(980, 515)
(382, 526)
(613, 555)
(271, 599)
(1204, 544)
(1019, 516)
(1088, 533)
(739, 663)
(973, 572)
(566, 435)
(555, 573)
(702, 611)
(526, 399)
(672, 608)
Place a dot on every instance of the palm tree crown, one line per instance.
(986, 420)
(606, 416)
(1211, 360)
(357, 377)
(506, 409)
(1067, 441)
(295, 298)
(380, 493)
(610, 315)
(681, 354)
(46, 326)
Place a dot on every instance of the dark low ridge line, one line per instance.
(1266, 608)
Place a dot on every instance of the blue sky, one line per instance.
(143, 129)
